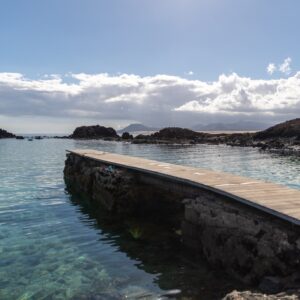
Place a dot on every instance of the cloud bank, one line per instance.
(155, 100)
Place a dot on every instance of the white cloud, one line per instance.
(271, 68)
(156, 100)
(285, 67)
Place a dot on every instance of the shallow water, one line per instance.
(53, 245)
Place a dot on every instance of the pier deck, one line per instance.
(275, 199)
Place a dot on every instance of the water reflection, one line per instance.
(54, 246)
(158, 251)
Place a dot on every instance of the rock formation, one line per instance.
(173, 135)
(177, 133)
(94, 132)
(4, 134)
(288, 129)
(127, 136)
(283, 138)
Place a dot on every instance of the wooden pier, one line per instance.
(271, 198)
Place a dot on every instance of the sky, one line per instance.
(65, 63)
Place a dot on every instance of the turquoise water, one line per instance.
(54, 245)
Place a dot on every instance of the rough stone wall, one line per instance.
(105, 184)
(122, 191)
(248, 244)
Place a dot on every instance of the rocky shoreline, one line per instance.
(5, 134)
(283, 138)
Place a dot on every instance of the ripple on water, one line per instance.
(51, 247)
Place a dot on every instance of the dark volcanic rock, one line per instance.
(283, 138)
(288, 129)
(270, 285)
(176, 133)
(94, 132)
(127, 136)
(4, 134)
(171, 135)
(61, 137)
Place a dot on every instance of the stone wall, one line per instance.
(251, 245)
(123, 191)
(248, 244)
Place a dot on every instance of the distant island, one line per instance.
(137, 127)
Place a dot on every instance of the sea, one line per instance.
(55, 245)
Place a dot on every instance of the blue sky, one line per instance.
(193, 39)
(209, 37)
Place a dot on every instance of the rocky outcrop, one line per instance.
(171, 135)
(177, 133)
(5, 134)
(283, 138)
(127, 136)
(94, 132)
(289, 129)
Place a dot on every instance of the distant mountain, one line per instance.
(136, 128)
(4, 134)
(237, 126)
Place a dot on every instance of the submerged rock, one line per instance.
(138, 292)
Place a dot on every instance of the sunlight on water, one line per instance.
(52, 247)
(249, 162)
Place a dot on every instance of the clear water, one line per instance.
(54, 246)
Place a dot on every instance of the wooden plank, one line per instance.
(276, 199)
